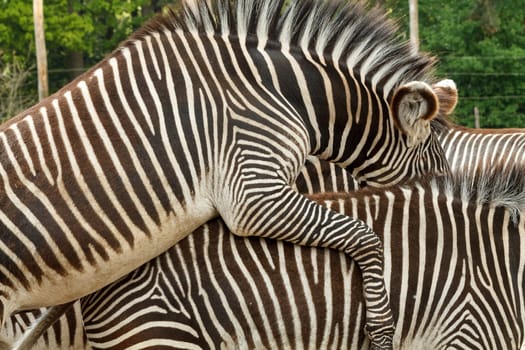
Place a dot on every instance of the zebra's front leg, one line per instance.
(281, 213)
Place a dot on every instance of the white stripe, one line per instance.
(290, 295)
(405, 262)
(112, 153)
(174, 203)
(12, 254)
(194, 119)
(311, 336)
(417, 296)
(79, 179)
(38, 145)
(152, 343)
(23, 146)
(99, 171)
(50, 208)
(135, 89)
(115, 341)
(153, 56)
(231, 280)
(271, 325)
(170, 87)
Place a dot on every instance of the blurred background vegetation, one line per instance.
(480, 45)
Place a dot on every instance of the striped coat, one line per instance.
(454, 267)
(205, 113)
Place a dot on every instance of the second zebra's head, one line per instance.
(365, 95)
(408, 147)
(329, 77)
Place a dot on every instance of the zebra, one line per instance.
(468, 148)
(205, 113)
(454, 266)
(315, 176)
(320, 176)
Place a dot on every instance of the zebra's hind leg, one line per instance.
(379, 323)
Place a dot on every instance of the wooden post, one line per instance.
(41, 53)
(476, 117)
(414, 24)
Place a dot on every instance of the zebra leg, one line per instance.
(365, 247)
(287, 215)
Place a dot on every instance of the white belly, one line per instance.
(56, 289)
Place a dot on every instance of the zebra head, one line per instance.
(412, 148)
(365, 96)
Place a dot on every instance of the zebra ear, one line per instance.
(413, 106)
(447, 94)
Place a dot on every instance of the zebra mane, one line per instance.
(497, 185)
(351, 34)
(494, 185)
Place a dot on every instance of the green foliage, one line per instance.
(480, 44)
(91, 27)
(16, 29)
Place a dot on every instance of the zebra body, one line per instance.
(467, 150)
(205, 114)
(454, 268)
(315, 177)
(321, 177)
(68, 333)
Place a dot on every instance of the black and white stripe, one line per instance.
(211, 112)
(468, 149)
(454, 268)
(324, 177)
(68, 333)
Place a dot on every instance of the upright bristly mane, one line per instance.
(352, 35)
(496, 185)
